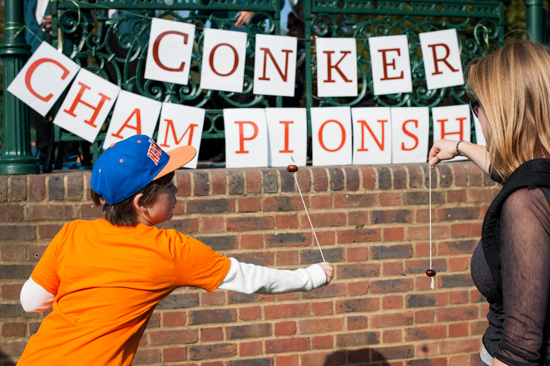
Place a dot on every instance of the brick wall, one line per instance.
(373, 225)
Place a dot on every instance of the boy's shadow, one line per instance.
(357, 357)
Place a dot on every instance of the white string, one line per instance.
(304, 203)
(432, 286)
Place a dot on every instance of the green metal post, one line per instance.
(309, 71)
(534, 14)
(17, 158)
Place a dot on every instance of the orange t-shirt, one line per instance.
(107, 282)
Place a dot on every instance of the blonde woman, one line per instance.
(510, 92)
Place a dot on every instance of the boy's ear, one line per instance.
(137, 204)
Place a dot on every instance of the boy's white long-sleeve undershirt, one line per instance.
(242, 277)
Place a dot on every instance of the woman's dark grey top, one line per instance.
(519, 324)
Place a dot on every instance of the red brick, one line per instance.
(245, 223)
(286, 311)
(13, 329)
(392, 336)
(322, 308)
(456, 314)
(390, 199)
(358, 236)
(12, 213)
(147, 356)
(360, 339)
(257, 330)
(322, 342)
(282, 203)
(458, 196)
(360, 254)
(51, 212)
(423, 232)
(458, 264)
(369, 178)
(250, 313)
(218, 182)
(331, 219)
(213, 298)
(247, 349)
(360, 270)
(291, 360)
(183, 182)
(211, 224)
(174, 319)
(393, 269)
(359, 288)
(413, 334)
(253, 181)
(319, 202)
(458, 330)
(455, 346)
(346, 200)
(357, 305)
(162, 337)
(287, 345)
(252, 241)
(213, 351)
(391, 286)
(424, 316)
(285, 329)
(287, 258)
(393, 234)
(357, 322)
(174, 354)
(15, 252)
(286, 221)
(359, 218)
(428, 349)
(458, 297)
(459, 360)
(38, 187)
(321, 325)
(11, 291)
(392, 302)
(391, 320)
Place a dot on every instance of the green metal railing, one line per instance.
(116, 49)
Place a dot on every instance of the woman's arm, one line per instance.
(249, 278)
(446, 149)
(34, 298)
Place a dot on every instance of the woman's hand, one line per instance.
(328, 269)
(46, 25)
(442, 150)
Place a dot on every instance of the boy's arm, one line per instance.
(34, 298)
(249, 278)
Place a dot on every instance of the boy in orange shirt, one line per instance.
(103, 278)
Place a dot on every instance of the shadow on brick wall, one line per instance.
(365, 356)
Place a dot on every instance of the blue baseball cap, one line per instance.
(131, 164)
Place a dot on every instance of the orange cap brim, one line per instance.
(178, 158)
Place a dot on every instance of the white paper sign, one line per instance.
(223, 62)
(331, 136)
(441, 57)
(371, 135)
(287, 133)
(480, 137)
(181, 125)
(336, 67)
(170, 50)
(87, 105)
(391, 68)
(245, 138)
(44, 78)
(133, 115)
(410, 132)
(452, 123)
(275, 65)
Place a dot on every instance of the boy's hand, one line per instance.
(328, 269)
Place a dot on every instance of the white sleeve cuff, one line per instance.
(34, 298)
(249, 278)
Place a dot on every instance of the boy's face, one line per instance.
(161, 209)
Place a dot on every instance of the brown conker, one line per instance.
(292, 168)
(430, 273)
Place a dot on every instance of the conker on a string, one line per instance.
(430, 273)
(292, 168)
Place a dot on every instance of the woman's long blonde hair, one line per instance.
(513, 87)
